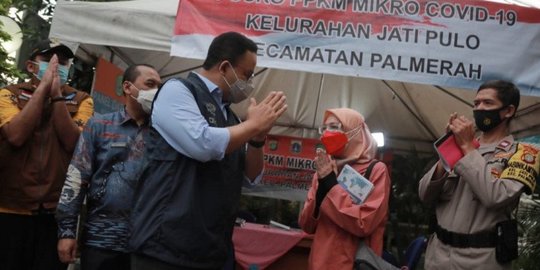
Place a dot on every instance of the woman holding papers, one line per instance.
(338, 224)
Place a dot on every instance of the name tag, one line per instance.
(119, 144)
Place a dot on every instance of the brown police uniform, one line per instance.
(483, 190)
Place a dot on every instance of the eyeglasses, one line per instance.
(330, 127)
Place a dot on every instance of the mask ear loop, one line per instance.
(353, 132)
(138, 90)
(223, 74)
(350, 134)
(234, 71)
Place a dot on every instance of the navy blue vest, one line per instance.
(184, 210)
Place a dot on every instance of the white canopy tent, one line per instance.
(410, 115)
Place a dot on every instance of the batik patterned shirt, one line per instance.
(105, 167)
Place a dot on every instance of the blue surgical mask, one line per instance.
(63, 71)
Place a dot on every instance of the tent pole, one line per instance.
(318, 100)
(454, 96)
(410, 110)
(164, 65)
(525, 129)
(123, 57)
(527, 110)
(259, 72)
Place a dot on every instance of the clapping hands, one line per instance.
(325, 165)
(50, 80)
(463, 130)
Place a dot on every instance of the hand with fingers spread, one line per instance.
(267, 111)
(325, 165)
(463, 130)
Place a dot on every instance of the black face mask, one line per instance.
(486, 120)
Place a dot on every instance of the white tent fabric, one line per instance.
(411, 116)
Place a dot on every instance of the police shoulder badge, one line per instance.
(524, 166)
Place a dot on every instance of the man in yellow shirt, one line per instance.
(40, 122)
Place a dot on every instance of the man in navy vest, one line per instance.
(199, 154)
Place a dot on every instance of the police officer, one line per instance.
(479, 195)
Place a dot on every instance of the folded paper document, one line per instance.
(448, 150)
(276, 224)
(355, 184)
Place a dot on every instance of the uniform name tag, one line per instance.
(118, 144)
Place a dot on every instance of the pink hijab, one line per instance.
(362, 147)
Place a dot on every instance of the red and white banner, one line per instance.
(288, 161)
(458, 43)
(288, 168)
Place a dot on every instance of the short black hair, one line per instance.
(132, 72)
(228, 46)
(507, 92)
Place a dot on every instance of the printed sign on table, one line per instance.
(288, 162)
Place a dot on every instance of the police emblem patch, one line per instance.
(529, 158)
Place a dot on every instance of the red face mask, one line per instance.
(334, 141)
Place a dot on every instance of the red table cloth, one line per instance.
(261, 245)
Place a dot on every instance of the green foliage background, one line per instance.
(8, 68)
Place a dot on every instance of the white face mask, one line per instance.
(240, 89)
(145, 98)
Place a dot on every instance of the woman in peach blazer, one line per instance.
(337, 223)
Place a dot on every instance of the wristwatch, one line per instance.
(56, 99)
(257, 144)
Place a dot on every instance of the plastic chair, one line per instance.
(414, 252)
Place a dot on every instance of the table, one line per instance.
(270, 248)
